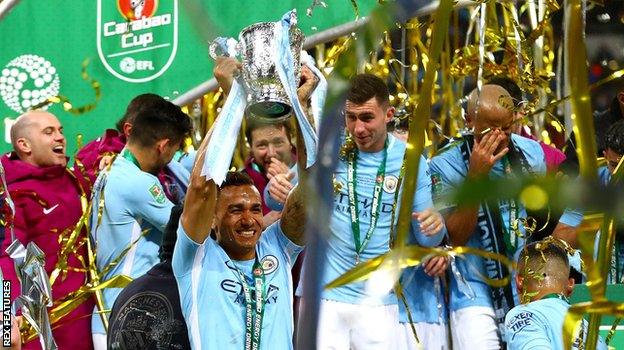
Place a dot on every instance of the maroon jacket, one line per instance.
(552, 156)
(47, 202)
(88, 157)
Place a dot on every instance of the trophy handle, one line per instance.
(223, 47)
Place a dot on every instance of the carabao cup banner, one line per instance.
(133, 47)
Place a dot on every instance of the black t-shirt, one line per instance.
(147, 313)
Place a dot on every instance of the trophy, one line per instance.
(257, 47)
(266, 88)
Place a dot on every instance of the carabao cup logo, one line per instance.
(137, 40)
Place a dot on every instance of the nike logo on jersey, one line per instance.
(47, 211)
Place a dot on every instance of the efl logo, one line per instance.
(137, 40)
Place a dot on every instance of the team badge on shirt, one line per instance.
(269, 264)
(436, 183)
(157, 193)
(390, 183)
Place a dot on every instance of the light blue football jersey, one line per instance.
(449, 172)
(272, 203)
(424, 296)
(573, 217)
(341, 254)
(134, 216)
(538, 325)
(212, 297)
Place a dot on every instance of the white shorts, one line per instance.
(474, 328)
(99, 341)
(344, 326)
(432, 336)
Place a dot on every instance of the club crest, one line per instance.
(269, 264)
(137, 40)
(390, 183)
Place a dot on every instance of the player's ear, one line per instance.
(570, 286)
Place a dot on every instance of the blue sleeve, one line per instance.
(269, 201)
(422, 201)
(540, 164)
(180, 172)
(524, 331)
(533, 151)
(447, 172)
(185, 254)
(146, 199)
(272, 203)
(571, 217)
(288, 248)
(188, 160)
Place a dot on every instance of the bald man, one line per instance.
(478, 311)
(47, 207)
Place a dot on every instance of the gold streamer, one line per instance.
(415, 142)
(66, 305)
(581, 103)
(612, 77)
(408, 256)
(356, 9)
(586, 150)
(67, 104)
(594, 308)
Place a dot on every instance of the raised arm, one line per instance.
(566, 233)
(462, 220)
(294, 213)
(200, 201)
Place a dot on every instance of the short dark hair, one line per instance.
(508, 84)
(236, 178)
(170, 234)
(363, 87)
(615, 138)
(137, 103)
(156, 120)
(549, 250)
(257, 123)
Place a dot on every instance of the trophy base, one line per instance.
(271, 110)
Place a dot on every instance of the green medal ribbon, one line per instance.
(130, 157)
(556, 296)
(513, 216)
(254, 307)
(353, 201)
(615, 271)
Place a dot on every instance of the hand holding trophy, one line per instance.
(263, 85)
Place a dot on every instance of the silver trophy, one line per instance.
(257, 47)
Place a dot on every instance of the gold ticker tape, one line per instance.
(408, 256)
(67, 104)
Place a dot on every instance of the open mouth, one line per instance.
(246, 233)
(60, 150)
